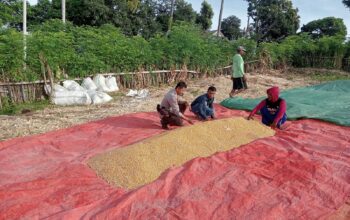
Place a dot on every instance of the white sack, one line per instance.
(88, 84)
(100, 82)
(98, 97)
(71, 98)
(111, 83)
(56, 87)
(132, 93)
(71, 85)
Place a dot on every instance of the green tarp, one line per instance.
(329, 102)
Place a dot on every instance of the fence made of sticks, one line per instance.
(346, 64)
(324, 62)
(21, 92)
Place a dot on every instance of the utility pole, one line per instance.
(64, 11)
(220, 16)
(24, 33)
(171, 16)
(24, 17)
(248, 28)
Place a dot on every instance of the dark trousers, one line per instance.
(239, 83)
(202, 110)
(169, 118)
(268, 118)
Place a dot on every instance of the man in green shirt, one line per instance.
(238, 77)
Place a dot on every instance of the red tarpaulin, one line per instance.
(301, 173)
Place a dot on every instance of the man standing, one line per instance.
(203, 107)
(172, 110)
(238, 77)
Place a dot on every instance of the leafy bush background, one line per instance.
(81, 51)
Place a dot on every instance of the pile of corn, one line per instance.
(143, 162)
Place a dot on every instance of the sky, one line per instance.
(309, 10)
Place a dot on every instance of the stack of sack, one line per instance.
(89, 92)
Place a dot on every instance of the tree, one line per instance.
(133, 4)
(87, 12)
(90, 12)
(230, 27)
(11, 13)
(44, 10)
(346, 3)
(143, 20)
(273, 19)
(205, 16)
(329, 26)
(183, 12)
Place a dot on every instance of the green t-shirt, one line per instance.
(238, 66)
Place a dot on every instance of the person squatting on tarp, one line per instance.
(238, 77)
(173, 107)
(273, 109)
(203, 107)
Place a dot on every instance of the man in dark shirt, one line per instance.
(203, 107)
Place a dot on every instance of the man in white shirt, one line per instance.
(172, 109)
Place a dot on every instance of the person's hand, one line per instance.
(274, 125)
(189, 108)
(250, 117)
(188, 120)
(213, 116)
(244, 78)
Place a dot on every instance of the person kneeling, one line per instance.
(203, 107)
(273, 109)
(172, 110)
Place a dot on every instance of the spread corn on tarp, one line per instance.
(142, 163)
(329, 102)
(302, 172)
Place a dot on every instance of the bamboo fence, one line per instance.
(20, 92)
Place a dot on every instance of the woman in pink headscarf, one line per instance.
(273, 109)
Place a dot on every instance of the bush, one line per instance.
(11, 54)
(81, 51)
(303, 51)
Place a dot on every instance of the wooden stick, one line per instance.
(23, 95)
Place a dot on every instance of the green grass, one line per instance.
(117, 95)
(15, 109)
(195, 92)
(324, 77)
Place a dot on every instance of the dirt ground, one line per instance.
(56, 117)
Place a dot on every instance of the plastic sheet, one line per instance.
(329, 102)
(302, 172)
